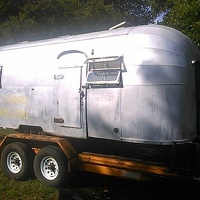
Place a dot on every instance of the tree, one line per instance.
(10, 8)
(184, 15)
(138, 12)
(51, 18)
(39, 19)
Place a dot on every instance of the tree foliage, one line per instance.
(184, 15)
(37, 19)
(138, 12)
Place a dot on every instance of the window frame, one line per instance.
(105, 70)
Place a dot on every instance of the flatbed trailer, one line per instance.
(123, 102)
(116, 166)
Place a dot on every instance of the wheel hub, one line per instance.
(14, 162)
(49, 168)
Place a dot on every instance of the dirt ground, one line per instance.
(86, 186)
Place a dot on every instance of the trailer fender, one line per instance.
(37, 142)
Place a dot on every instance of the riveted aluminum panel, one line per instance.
(154, 102)
(104, 114)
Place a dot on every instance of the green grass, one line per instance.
(21, 190)
(6, 131)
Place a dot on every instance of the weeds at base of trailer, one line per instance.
(25, 190)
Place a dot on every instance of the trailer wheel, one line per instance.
(17, 161)
(50, 166)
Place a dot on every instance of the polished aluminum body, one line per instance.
(132, 84)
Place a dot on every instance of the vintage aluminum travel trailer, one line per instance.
(121, 102)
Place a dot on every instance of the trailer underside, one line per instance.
(113, 165)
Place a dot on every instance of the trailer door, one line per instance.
(104, 97)
(69, 94)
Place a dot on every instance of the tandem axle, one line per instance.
(52, 159)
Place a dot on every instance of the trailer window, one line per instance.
(103, 77)
(104, 71)
(0, 75)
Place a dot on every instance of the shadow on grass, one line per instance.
(86, 186)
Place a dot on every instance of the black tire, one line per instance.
(17, 161)
(50, 166)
